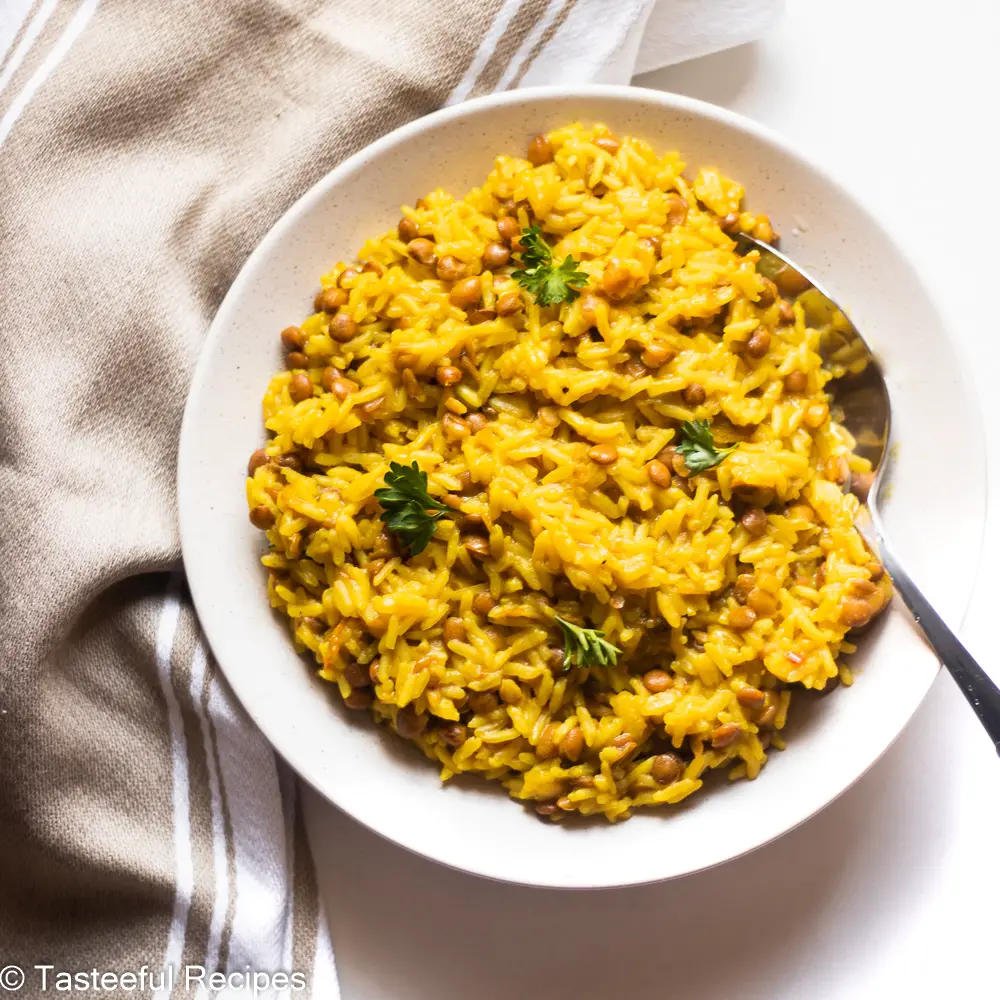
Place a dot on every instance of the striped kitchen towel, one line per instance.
(145, 148)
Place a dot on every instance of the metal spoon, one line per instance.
(861, 394)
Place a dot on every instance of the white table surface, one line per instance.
(892, 891)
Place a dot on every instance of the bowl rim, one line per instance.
(298, 760)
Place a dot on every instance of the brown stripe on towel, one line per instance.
(37, 53)
(19, 35)
(547, 36)
(527, 16)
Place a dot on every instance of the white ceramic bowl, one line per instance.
(935, 514)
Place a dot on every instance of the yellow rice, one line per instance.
(653, 567)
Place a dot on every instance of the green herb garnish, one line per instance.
(536, 251)
(408, 510)
(586, 647)
(549, 283)
(697, 448)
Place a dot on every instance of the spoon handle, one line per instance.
(981, 693)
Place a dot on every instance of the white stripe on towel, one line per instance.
(201, 679)
(55, 56)
(464, 86)
(183, 861)
(32, 32)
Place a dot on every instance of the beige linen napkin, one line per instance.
(145, 148)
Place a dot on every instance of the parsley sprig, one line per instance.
(408, 510)
(549, 283)
(697, 447)
(586, 647)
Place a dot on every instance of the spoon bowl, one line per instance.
(858, 388)
(859, 399)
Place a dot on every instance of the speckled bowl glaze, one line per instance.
(383, 782)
